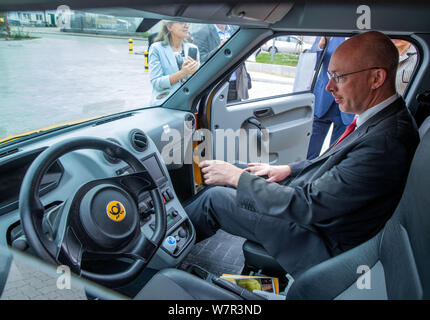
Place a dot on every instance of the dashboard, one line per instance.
(141, 132)
(12, 173)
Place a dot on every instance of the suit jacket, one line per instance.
(207, 40)
(162, 63)
(325, 106)
(343, 197)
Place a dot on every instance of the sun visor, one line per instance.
(265, 12)
(257, 14)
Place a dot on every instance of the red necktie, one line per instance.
(348, 130)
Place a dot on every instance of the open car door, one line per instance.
(275, 129)
(273, 123)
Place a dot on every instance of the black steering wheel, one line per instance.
(99, 221)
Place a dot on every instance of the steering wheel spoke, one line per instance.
(142, 251)
(70, 251)
(51, 220)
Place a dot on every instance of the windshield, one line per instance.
(61, 66)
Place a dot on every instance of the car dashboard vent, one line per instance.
(190, 121)
(138, 140)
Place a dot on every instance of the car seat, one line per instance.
(396, 259)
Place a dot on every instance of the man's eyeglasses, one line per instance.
(337, 77)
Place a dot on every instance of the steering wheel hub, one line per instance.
(109, 216)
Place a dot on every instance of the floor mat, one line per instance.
(221, 253)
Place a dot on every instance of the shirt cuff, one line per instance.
(165, 82)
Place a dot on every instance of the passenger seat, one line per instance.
(396, 260)
(425, 126)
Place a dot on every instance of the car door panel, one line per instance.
(288, 122)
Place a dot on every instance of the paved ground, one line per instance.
(28, 283)
(67, 78)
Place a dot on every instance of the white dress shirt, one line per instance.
(369, 113)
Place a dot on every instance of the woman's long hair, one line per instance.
(164, 34)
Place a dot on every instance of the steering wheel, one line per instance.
(99, 221)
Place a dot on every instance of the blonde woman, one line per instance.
(170, 61)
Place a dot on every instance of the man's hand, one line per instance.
(220, 173)
(322, 43)
(274, 173)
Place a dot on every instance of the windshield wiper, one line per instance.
(113, 118)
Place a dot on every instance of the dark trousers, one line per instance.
(215, 208)
(232, 92)
(320, 129)
(295, 247)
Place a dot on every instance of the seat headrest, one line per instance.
(425, 126)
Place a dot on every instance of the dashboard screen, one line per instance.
(151, 164)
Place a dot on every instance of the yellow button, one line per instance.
(115, 211)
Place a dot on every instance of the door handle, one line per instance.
(263, 113)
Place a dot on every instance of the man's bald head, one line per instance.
(371, 49)
(366, 67)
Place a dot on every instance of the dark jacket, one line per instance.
(207, 40)
(344, 196)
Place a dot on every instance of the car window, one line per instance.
(61, 66)
(282, 65)
(288, 64)
(408, 60)
(170, 68)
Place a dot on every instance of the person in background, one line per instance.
(326, 110)
(211, 37)
(169, 60)
(407, 62)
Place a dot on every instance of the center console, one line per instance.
(180, 232)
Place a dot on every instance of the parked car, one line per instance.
(286, 44)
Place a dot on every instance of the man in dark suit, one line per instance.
(311, 210)
(208, 39)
